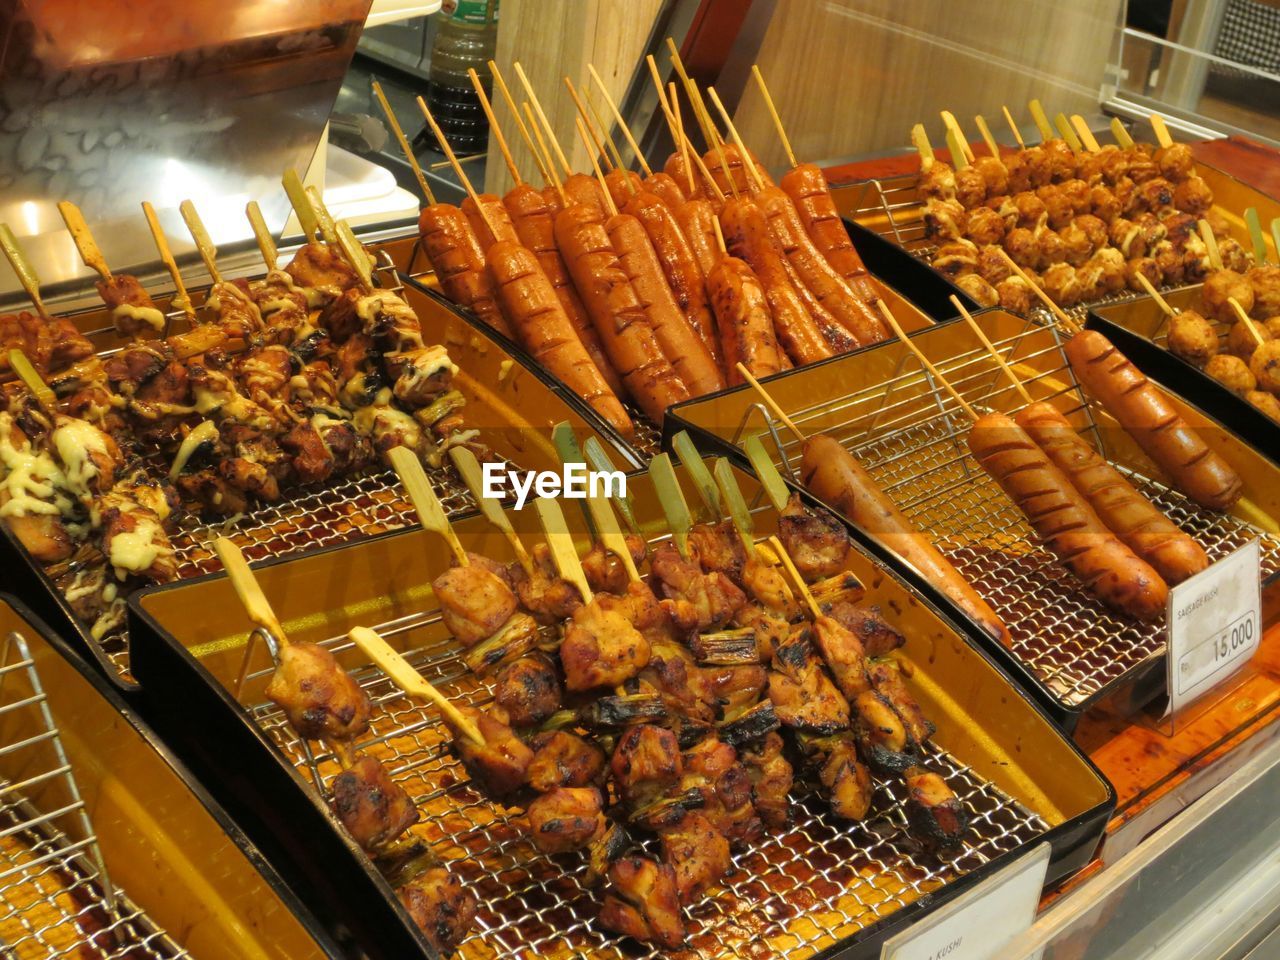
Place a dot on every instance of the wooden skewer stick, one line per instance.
(987, 138)
(952, 124)
(920, 140)
(735, 504)
(1120, 133)
(991, 349)
(1211, 242)
(753, 174)
(603, 129)
(703, 482)
(956, 148)
(590, 127)
(355, 254)
(519, 121)
(706, 174)
(560, 541)
(324, 219)
(674, 507)
(1275, 234)
(1068, 134)
(1047, 300)
(32, 380)
(1155, 295)
(26, 274)
(814, 609)
(777, 119)
(720, 244)
(622, 124)
(771, 403)
(1085, 134)
(472, 158)
(457, 167)
(1244, 318)
(546, 125)
(610, 534)
(84, 241)
(1013, 126)
(248, 589)
(301, 203)
(1042, 121)
(487, 107)
(724, 167)
(1255, 235)
(423, 497)
(775, 488)
(261, 233)
(405, 148)
(681, 139)
(709, 133)
(1161, 130)
(547, 163)
(409, 680)
(595, 165)
(468, 468)
(180, 297)
(928, 365)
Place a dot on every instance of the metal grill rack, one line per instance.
(56, 899)
(916, 452)
(796, 891)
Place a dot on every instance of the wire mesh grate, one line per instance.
(907, 434)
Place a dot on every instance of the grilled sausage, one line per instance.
(743, 319)
(828, 286)
(1148, 416)
(580, 188)
(833, 475)
(837, 336)
(697, 220)
(458, 263)
(665, 188)
(806, 185)
(551, 195)
(679, 342)
(1130, 515)
(623, 185)
(743, 182)
(540, 324)
(534, 222)
(489, 212)
(678, 171)
(683, 272)
(616, 312)
(746, 234)
(1064, 521)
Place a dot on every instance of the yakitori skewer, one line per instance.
(180, 297)
(261, 234)
(26, 273)
(1067, 132)
(405, 148)
(609, 533)
(560, 541)
(990, 347)
(1256, 236)
(301, 203)
(31, 379)
(1211, 244)
(1013, 127)
(1161, 130)
(1086, 135)
(992, 147)
(1066, 321)
(1120, 133)
(83, 237)
(1155, 295)
(702, 479)
(953, 125)
(1249, 325)
(468, 467)
(208, 252)
(324, 220)
(920, 140)
(674, 507)
(423, 497)
(956, 148)
(1042, 120)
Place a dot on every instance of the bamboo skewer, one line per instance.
(25, 272)
(31, 379)
(995, 354)
(1155, 295)
(1161, 130)
(1255, 235)
(1047, 300)
(682, 140)
(546, 125)
(709, 133)
(1275, 234)
(1086, 135)
(622, 124)
(180, 297)
(1121, 134)
(724, 167)
(987, 138)
(605, 136)
(547, 164)
(753, 174)
(814, 609)
(468, 468)
(720, 245)
(735, 505)
(249, 590)
(560, 541)
(595, 165)
(405, 148)
(706, 174)
(301, 204)
(771, 403)
(1068, 134)
(775, 488)
(400, 672)
(953, 125)
(958, 158)
(423, 497)
(590, 127)
(703, 482)
(674, 507)
(1244, 318)
(355, 254)
(487, 107)
(519, 121)
(1211, 243)
(266, 243)
(457, 167)
(610, 534)
(83, 238)
(1013, 127)
(773, 113)
(928, 365)
(1042, 121)
(920, 140)
(324, 219)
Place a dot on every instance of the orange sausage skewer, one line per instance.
(660, 184)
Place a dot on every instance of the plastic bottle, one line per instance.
(465, 39)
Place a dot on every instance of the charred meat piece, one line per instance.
(882, 735)
(642, 901)
(441, 906)
(500, 764)
(135, 364)
(564, 759)
(765, 583)
(817, 542)
(132, 517)
(565, 818)
(132, 310)
(474, 602)
(373, 807)
(605, 572)
(846, 779)
(712, 768)
(697, 601)
(866, 623)
(771, 779)
(236, 312)
(528, 690)
(718, 549)
(309, 455)
(674, 675)
(844, 656)
(698, 853)
(886, 677)
(420, 376)
(936, 816)
(319, 698)
(646, 764)
(50, 345)
(601, 647)
(803, 695)
(543, 592)
(323, 269)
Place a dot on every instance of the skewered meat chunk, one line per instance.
(1015, 295)
(646, 764)
(565, 818)
(543, 592)
(994, 174)
(441, 906)
(1146, 267)
(698, 853)
(605, 572)
(1192, 337)
(474, 602)
(957, 257)
(1266, 290)
(601, 646)
(320, 699)
(771, 778)
(939, 181)
(886, 677)
(971, 187)
(132, 310)
(844, 656)
(1193, 195)
(1104, 203)
(848, 783)
(1175, 161)
(817, 542)
(1266, 402)
(803, 695)
(320, 267)
(237, 314)
(674, 675)
(766, 585)
(1232, 372)
(50, 345)
(697, 601)
(500, 764)
(718, 549)
(883, 737)
(936, 816)
(711, 767)
(373, 808)
(564, 759)
(1234, 255)
(1265, 366)
(979, 290)
(869, 626)
(944, 219)
(1241, 342)
(131, 517)
(1219, 287)
(642, 901)
(528, 690)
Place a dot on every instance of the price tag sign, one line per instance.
(977, 924)
(1215, 624)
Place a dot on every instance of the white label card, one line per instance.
(977, 924)
(1215, 624)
